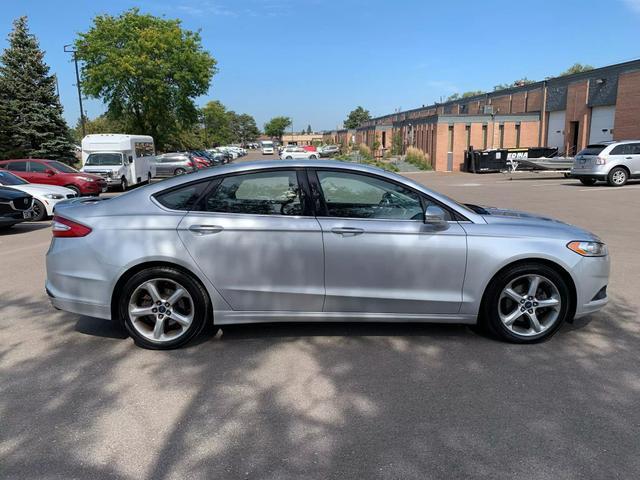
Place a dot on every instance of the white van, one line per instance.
(122, 160)
(267, 147)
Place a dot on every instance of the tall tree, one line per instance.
(243, 127)
(357, 117)
(309, 130)
(217, 129)
(277, 126)
(99, 124)
(516, 83)
(470, 93)
(31, 122)
(147, 69)
(576, 68)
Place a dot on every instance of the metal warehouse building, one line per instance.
(566, 112)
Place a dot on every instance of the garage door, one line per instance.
(555, 132)
(602, 124)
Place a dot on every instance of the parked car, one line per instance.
(289, 153)
(45, 197)
(200, 161)
(121, 160)
(613, 162)
(310, 148)
(241, 243)
(170, 164)
(52, 172)
(15, 207)
(329, 151)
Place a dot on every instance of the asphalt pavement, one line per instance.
(330, 401)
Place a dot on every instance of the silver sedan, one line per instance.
(315, 240)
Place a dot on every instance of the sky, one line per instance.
(315, 60)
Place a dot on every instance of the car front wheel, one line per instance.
(39, 211)
(526, 303)
(123, 184)
(163, 308)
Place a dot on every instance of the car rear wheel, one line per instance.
(163, 308)
(526, 303)
(588, 181)
(618, 176)
(313, 157)
(179, 171)
(39, 211)
(288, 157)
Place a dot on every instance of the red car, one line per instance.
(52, 172)
(310, 148)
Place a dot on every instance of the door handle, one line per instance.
(205, 229)
(628, 158)
(347, 231)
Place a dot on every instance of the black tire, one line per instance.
(124, 184)
(588, 181)
(288, 158)
(39, 211)
(200, 305)
(74, 188)
(313, 157)
(179, 171)
(617, 177)
(489, 314)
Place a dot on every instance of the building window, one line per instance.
(450, 138)
(484, 136)
(468, 135)
(501, 132)
(517, 135)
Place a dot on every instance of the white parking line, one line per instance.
(610, 189)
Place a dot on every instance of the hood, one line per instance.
(37, 189)
(536, 223)
(100, 168)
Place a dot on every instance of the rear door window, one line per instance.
(624, 149)
(17, 166)
(182, 198)
(36, 167)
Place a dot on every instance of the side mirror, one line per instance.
(435, 216)
(130, 159)
(50, 172)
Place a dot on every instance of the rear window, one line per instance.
(182, 198)
(592, 150)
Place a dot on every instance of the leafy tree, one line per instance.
(309, 131)
(397, 145)
(277, 126)
(217, 128)
(100, 124)
(470, 93)
(576, 68)
(243, 127)
(516, 83)
(147, 70)
(357, 117)
(31, 122)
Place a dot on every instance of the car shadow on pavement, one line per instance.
(99, 327)
(24, 228)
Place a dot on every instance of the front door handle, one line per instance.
(628, 158)
(347, 231)
(205, 229)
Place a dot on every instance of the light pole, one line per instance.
(69, 49)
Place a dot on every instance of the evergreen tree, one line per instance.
(309, 131)
(31, 122)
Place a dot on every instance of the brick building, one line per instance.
(565, 112)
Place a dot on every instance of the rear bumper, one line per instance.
(81, 308)
(597, 176)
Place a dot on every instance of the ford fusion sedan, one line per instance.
(52, 172)
(45, 197)
(316, 240)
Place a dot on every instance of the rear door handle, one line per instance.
(628, 158)
(347, 231)
(205, 229)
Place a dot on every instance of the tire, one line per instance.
(288, 158)
(617, 177)
(148, 178)
(313, 157)
(588, 181)
(142, 328)
(39, 210)
(498, 307)
(75, 189)
(179, 171)
(124, 184)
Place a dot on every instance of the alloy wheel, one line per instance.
(529, 305)
(619, 177)
(161, 310)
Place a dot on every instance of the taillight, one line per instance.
(601, 160)
(63, 227)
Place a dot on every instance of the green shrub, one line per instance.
(417, 157)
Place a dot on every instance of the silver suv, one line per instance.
(613, 162)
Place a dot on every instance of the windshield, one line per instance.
(62, 167)
(104, 159)
(7, 178)
(267, 144)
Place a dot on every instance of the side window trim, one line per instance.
(210, 181)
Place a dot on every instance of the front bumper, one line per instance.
(591, 276)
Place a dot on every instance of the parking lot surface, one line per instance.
(388, 401)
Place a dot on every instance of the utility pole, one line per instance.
(69, 49)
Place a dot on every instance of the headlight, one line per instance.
(87, 179)
(589, 249)
(54, 196)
